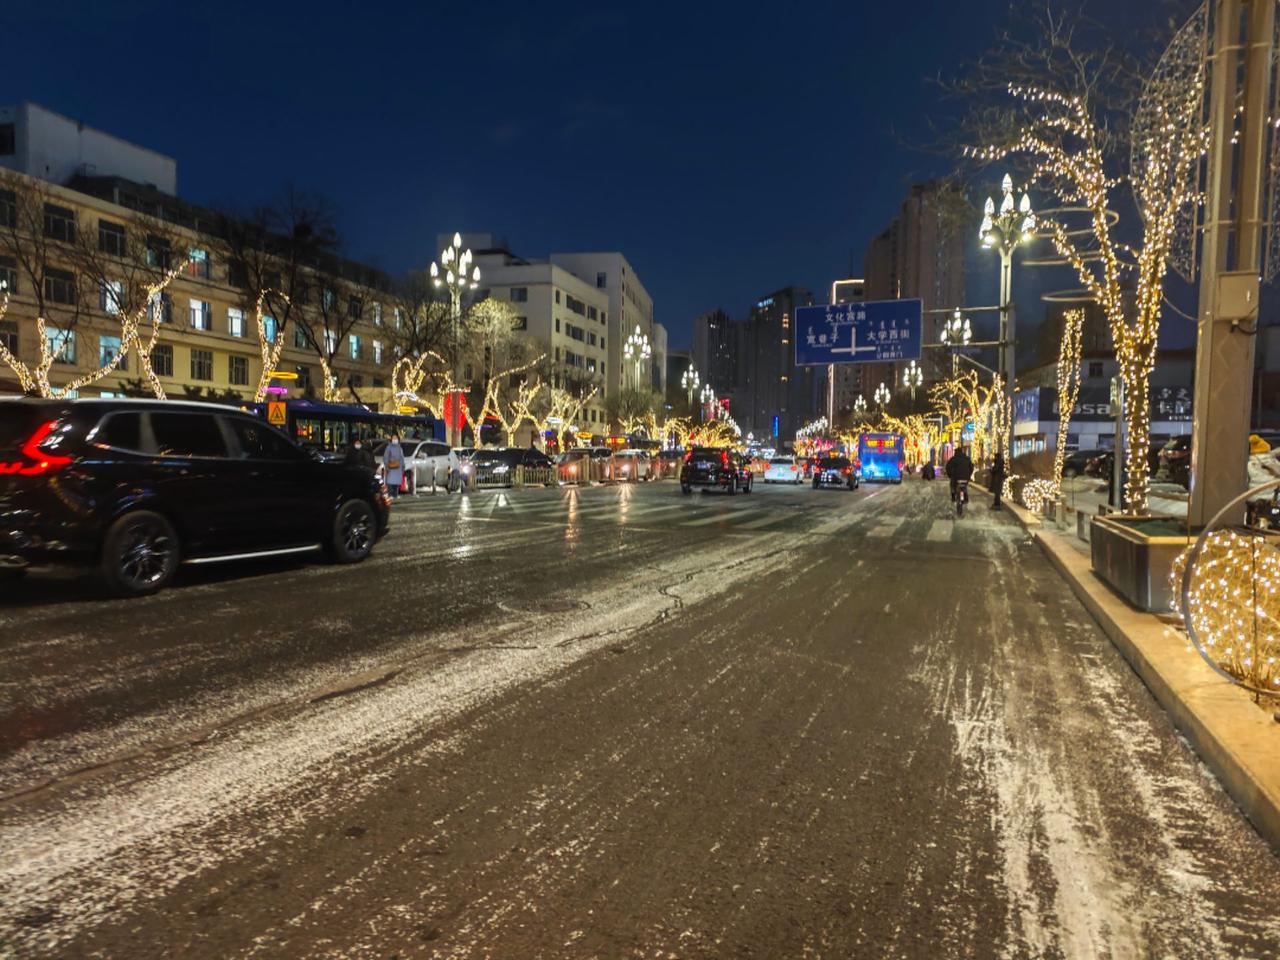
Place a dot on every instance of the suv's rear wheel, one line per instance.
(139, 554)
(354, 530)
(733, 486)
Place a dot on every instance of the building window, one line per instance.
(521, 323)
(304, 377)
(9, 274)
(59, 223)
(59, 286)
(355, 308)
(602, 343)
(330, 343)
(162, 360)
(238, 371)
(198, 264)
(158, 252)
(399, 318)
(355, 380)
(201, 364)
(377, 351)
(235, 321)
(1095, 369)
(166, 308)
(377, 314)
(353, 347)
(602, 280)
(519, 294)
(8, 208)
(111, 238)
(327, 299)
(591, 365)
(8, 139)
(592, 314)
(201, 315)
(108, 350)
(557, 324)
(269, 327)
(300, 336)
(591, 339)
(557, 296)
(63, 344)
(110, 293)
(9, 335)
(576, 305)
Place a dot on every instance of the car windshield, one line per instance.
(834, 463)
(706, 453)
(502, 455)
(782, 462)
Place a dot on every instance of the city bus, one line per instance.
(328, 428)
(881, 456)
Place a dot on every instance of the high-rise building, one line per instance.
(715, 350)
(772, 396)
(921, 254)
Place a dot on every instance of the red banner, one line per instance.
(455, 410)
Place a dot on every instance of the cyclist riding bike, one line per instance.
(959, 467)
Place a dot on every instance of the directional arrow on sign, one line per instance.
(853, 347)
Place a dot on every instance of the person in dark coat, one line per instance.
(959, 467)
(358, 455)
(997, 480)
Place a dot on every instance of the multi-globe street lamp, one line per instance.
(636, 350)
(460, 275)
(1003, 231)
(912, 378)
(708, 397)
(860, 404)
(882, 395)
(957, 332)
(690, 381)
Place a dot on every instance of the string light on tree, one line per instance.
(1069, 355)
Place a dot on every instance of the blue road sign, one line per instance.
(873, 331)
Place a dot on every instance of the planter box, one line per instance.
(1135, 556)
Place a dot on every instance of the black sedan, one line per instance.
(716, 468)
(135, 487)
(835, 472)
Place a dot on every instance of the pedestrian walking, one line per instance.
(997, 480)
(393, 464)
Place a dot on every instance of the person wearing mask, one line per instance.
(959, 467)
(358, 455)
(393, 465)
(997, 480)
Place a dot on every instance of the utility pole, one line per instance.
(1230, 259)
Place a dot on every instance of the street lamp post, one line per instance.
(912, 378)
(454, 264)
(956, 333)
(708, 397)
(1003, 231)
(690, 381)
(637, 350)
(882, 395)
(860, 404)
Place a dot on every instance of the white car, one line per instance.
(783, 470)
(631, 465)
(427, 463)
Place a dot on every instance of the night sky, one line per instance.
(725, 149)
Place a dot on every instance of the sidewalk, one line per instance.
(1238, 739)
(1086, 494)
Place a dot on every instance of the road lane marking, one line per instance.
(887, 528)
(764, 521)
(941, 530)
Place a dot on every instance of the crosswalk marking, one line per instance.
(764, 521)
(887, 528)
(941, 530)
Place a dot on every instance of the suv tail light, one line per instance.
(42, 461)
(724, 458)
(688, 456)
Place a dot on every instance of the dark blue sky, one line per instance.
(726, 149)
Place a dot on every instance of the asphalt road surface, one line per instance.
(613, 722)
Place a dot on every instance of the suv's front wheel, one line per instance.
(354, 530)
(139, 554)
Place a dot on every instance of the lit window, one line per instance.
(110, 293)
(235, 321)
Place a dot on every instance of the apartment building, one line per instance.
(564, 316)
(630, 306)
(84, 183)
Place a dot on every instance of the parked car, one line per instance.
(429, 463)
(136, 487)
(631, 465)
(1100, 466)
(1174, 463)
(574, 466)
(715, 467)
(497, 465)
(783, 470)
(835, 472)
(1073, 464)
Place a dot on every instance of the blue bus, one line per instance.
(328, 428)
(882, 457)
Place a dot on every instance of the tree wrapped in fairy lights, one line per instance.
(1096, 133)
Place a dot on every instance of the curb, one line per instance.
(1235, 738)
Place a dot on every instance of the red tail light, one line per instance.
(41, 461)
(724, 458)
(688, 456)
(794, 468)
(845, 471)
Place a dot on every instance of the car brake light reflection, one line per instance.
(42, 461)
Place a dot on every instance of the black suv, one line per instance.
(835, 472)
(715, 467)
(134, 487)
